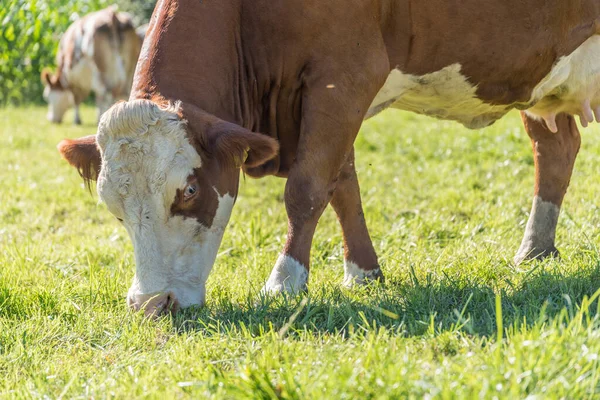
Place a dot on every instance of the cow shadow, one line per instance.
(403, 308)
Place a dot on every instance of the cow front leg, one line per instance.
(103, 103)
(360, 260)
(104, 100)
(325, 144)
(79, 96)
(554, 156)
(77, 119)
(335, 98)
(307, 193)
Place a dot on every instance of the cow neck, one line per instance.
(192, 53)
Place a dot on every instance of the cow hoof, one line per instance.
(527, 254)
(354, 275)
(282, 289)
(288, 276)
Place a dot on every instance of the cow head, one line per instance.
(170, 175)
(58, 97)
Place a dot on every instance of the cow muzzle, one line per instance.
(154, 305)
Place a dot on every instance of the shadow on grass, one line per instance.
(405, 308)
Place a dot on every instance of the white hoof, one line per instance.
(288, 275)
(354, 275)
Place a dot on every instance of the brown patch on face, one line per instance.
(219, 175)
(203, 205)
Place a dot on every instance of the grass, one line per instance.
(455, 319)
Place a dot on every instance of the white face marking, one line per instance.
(59, 101)
(288, 275)
(355, 275)
(146, 158)
(180, 257)
(572, 87)
(444, 94)
(540, 231)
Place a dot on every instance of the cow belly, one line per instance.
(444, 94)
(572, 87)
(81, 74)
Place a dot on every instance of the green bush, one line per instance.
(29, 34)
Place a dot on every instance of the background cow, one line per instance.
(213, 73)
(98, 52)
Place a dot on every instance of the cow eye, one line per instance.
(190, 191)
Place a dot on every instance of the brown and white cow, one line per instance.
(97, 53)
(305, 74)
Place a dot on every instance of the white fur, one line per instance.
(59, 101)
(572, 86)
(87, 38)
(146, 157)
(444, 94)
(355, 275)
(85, 75)
(573, 82)
(540, 231)
(81, 74)
(187, 256)
(288, 275)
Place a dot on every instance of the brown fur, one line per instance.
(305, 73)
(554, 155)
(84, 155)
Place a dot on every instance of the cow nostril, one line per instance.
(155, 305)
(172, 303)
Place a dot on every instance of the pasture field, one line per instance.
(455, 319)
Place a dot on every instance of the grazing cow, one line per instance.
(98, 52)
(305, 75)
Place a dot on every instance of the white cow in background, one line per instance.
(97, 53)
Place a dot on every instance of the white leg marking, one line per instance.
(355, 275)
(288, 275)
(540, 231)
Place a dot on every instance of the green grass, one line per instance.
(446, 208)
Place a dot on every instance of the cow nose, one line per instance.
(154, 305)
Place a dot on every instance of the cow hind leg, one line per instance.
(360, 260)
(554, 156)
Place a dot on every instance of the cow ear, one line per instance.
(83, 154)
(229, 142)
(242, 146)
(46, 77)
